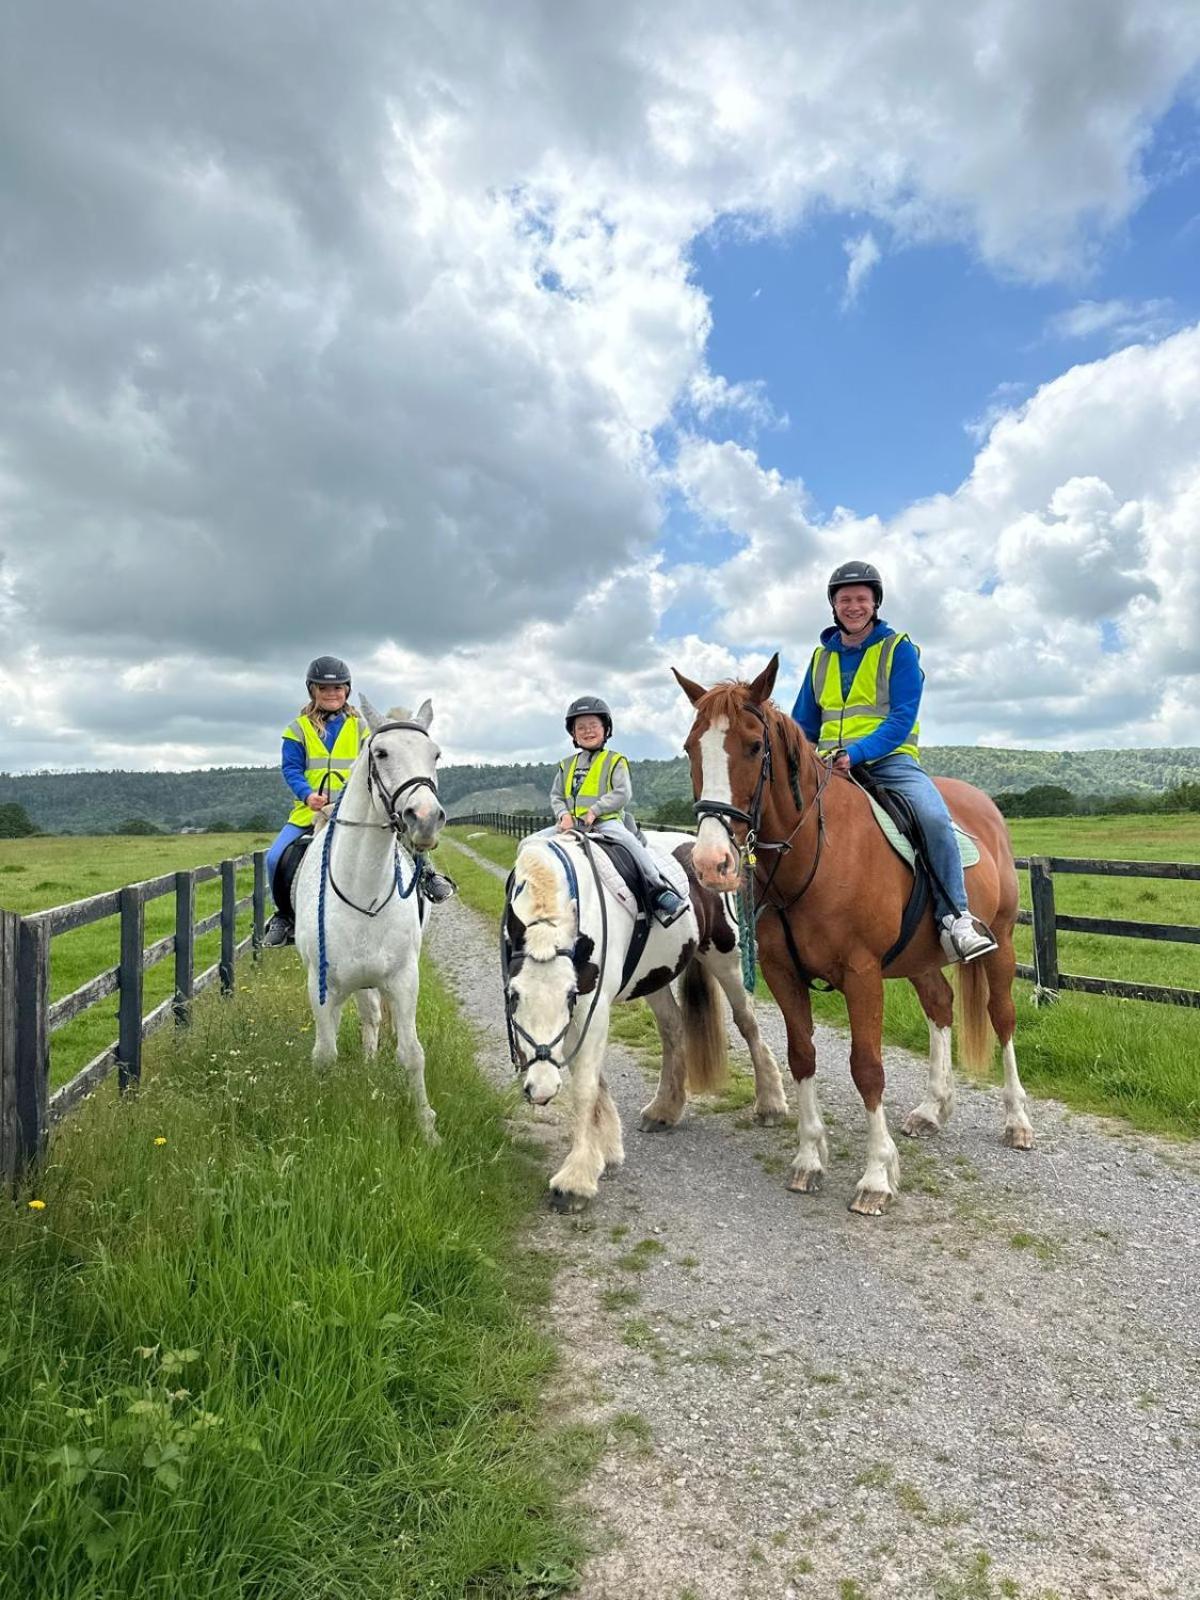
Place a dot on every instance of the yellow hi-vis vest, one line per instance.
(866, 707)
(595, 783)
(325, 770)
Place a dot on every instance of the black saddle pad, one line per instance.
(286, 869)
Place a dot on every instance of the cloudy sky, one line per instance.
(522, 350)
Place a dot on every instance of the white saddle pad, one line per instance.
(612, 880)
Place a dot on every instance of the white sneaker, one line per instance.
(964, 938)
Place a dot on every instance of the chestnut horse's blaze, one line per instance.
(833, 892)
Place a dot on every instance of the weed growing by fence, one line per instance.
(258, 1338)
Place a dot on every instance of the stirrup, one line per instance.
(666, 915)
(968, 943)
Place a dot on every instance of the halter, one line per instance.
(545, 1052)
(747, 848)
(394, 822)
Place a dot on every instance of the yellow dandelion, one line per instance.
(160, 1140)
(37, 1205)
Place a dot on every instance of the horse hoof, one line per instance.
(1018, 1138)
(917, 1125)
(565, 1201)
(655, 1125)
(770, 1118)
(871, 1202)
(807, 1182)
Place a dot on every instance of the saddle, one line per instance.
(640, 891)
(286, 869)
(899, 825)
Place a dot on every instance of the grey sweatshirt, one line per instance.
(615, 799)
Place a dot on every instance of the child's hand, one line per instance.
(566, 822)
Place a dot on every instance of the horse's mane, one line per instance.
(543, 907)
(728, 699)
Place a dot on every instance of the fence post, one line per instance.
(228, 924)
(185, 946)
(1045, 933)
(260, 901)
(129, 1004)
(10, 935)
(33, 1042)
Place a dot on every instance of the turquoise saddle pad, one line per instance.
(967, 848)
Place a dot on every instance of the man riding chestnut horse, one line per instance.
(783, 798)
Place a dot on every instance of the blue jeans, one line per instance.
(907, 777)
(289, 831)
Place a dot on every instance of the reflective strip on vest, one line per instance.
(869, 703)
(326, 771)
(595, 783)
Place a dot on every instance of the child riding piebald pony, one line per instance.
(592, 790)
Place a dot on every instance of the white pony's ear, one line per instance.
(374, 719)
(425, 715)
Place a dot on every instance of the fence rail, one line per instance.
(27, 1018)
(1046, 922)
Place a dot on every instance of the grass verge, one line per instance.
(257, 1338)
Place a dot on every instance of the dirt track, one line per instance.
(991, 1391)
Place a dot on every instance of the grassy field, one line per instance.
(1119, 1057)
(259, 1339)
(36, 873)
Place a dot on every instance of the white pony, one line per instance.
(358, 923)
(566, 938)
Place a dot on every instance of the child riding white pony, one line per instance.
(358, 922)
(567, 938)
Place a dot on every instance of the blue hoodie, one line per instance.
(904, 686)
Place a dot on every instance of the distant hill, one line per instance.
(98, 802)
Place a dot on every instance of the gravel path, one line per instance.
(992, 1391)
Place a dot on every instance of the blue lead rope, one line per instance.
(402, 892)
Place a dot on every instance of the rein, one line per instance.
(758, 900)
(394, 823)
(545, 1052)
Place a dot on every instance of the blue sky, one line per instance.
(879, 394)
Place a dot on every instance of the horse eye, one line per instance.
(381, 755)
(755, 748)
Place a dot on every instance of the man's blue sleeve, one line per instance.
(904, 688)
(806, 711)
(295, 766)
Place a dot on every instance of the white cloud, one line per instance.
(361, 332)
(863, 255)
(1121, 321)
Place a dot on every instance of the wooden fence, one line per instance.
(1045, 921)
(27, 1017)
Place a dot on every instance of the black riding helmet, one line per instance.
(856, 572)
(589, 705)
(327, 670)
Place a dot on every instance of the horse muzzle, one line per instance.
(423, 821)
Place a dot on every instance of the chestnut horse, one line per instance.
(831, 892)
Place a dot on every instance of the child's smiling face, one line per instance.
(588, 732)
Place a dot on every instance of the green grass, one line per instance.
(36, 873)
(1124, 1058)
(259, 1339)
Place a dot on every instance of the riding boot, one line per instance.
(279, 931)
(668, 905)
(437, 886)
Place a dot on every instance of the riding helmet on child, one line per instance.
(326, 670)
(854, 572)
(589, 705)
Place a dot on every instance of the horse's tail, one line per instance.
(704, 1044)
(975, 1037)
